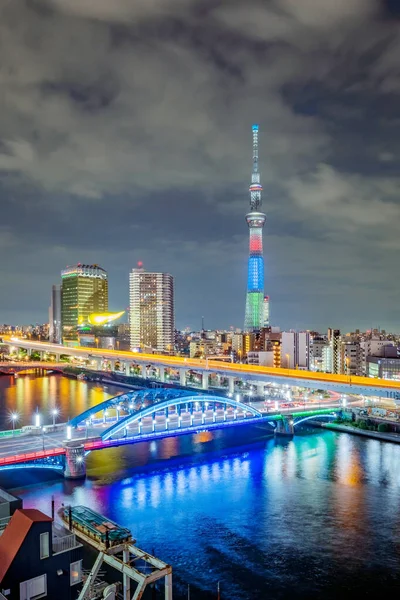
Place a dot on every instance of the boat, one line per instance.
(94, 528)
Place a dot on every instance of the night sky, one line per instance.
(125, 135)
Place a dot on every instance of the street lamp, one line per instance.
(55, 412)
(14, 418)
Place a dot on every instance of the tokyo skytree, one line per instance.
(254, 316)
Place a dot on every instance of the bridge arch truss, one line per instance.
(191, 399)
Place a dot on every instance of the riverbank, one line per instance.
(377, 435)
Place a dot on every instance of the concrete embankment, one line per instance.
(377, 435)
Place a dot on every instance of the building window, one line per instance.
(32, 589)
(44, 545)
(76, 572)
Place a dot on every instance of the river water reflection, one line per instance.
(317, 517)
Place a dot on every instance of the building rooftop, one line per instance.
(15, 534)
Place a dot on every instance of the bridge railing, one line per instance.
(29, 456)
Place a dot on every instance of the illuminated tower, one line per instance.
(254, 317)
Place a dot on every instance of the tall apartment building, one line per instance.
(84, 290)
(318, 346)
(55, 315)
(151, 297)
(350, 358)
(295, 350)
(334, 344)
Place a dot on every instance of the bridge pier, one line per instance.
(127, 369)
(231, 385)
(260, 389)
(182, 377)
(112, 365)
(204, 381)
(75, 464)
(285, 427)
(143, 370)
(161, 374)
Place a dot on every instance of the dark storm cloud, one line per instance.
(125, 135)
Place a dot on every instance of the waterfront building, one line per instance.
(124, 336)
(254, 314)
(84, 290)
(100, 331)
(39, 559)
(55, 315)
(152, 316)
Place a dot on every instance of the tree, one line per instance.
(383, 427)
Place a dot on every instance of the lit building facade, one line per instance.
(254, 314)
(152, 317)
(384, 368)
(335, 354)
(266, 312)
(84, 290)
(295, 350)
(350, 358)
(318, 346)
(55, 315)
(100, 331)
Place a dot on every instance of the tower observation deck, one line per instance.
(255, 220)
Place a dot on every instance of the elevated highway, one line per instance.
(258, 375)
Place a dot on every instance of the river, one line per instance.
(317, 517)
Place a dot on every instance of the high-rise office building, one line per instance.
(84, 290)
(151, 310)
(55, 315)
(254, 315)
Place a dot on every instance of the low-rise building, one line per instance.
(384, 368)
(39, 559)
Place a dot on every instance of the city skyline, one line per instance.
(104, 160)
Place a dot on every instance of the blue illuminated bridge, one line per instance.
(137, 416)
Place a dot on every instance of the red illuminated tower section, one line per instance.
(254, 316)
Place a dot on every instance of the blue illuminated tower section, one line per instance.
(255, 220)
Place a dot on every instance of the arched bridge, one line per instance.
(19, 367)
(140, 415)
(122, 412)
